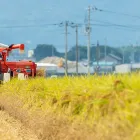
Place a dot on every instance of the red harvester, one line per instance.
(26, 67)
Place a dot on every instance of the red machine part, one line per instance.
(26, 67)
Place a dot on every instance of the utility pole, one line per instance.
(97, 53)
(123, 54)
(105, 49)
(66, 47)
(88, 50)
(73, 25)
(105, 55)
(52, 51)
(97, 56)
(67, 23)
(76, 49)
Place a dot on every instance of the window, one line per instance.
(0, 56)
(18, 70)
(28, 70)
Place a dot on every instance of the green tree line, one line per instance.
(47, 50)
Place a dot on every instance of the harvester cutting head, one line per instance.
(3, 45)
(16, 46)
(8, 49)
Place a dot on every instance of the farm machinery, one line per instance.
(28, 68)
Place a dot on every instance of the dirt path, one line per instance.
(11, 129)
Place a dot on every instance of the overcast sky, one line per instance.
(38, 13)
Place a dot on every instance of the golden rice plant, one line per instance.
(108, 103)
(40, 73)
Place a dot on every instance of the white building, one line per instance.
(126, 68)
(30, 53)
(103, 67)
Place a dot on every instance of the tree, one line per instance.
(44, 50)
(127, 51)
(82, 51)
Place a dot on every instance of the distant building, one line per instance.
(104, 67)
(30, 53)
(107, 64)
(126, 68)
(81, 69)
(123, 68)
(112, 58)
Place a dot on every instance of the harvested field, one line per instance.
(11, 129)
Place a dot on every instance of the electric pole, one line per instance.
(52, 51)
(123, 53)
(67, 23)
(97, 53)
(105, 49)
(89, 30)
(76, 49)
(66, 46)
(97, 56)
(105, 55)
(73, 25)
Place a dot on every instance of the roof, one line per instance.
(114, 56)
(56, 60)
(46, 64)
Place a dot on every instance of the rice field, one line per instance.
(83, 108)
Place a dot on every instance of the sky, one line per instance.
(30, 22)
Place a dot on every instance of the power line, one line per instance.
(26, 26)
(116, 27)
(113, 12)
(105, 24)
(119, 25)
(113, 24)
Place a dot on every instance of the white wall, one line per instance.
(124, 68)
